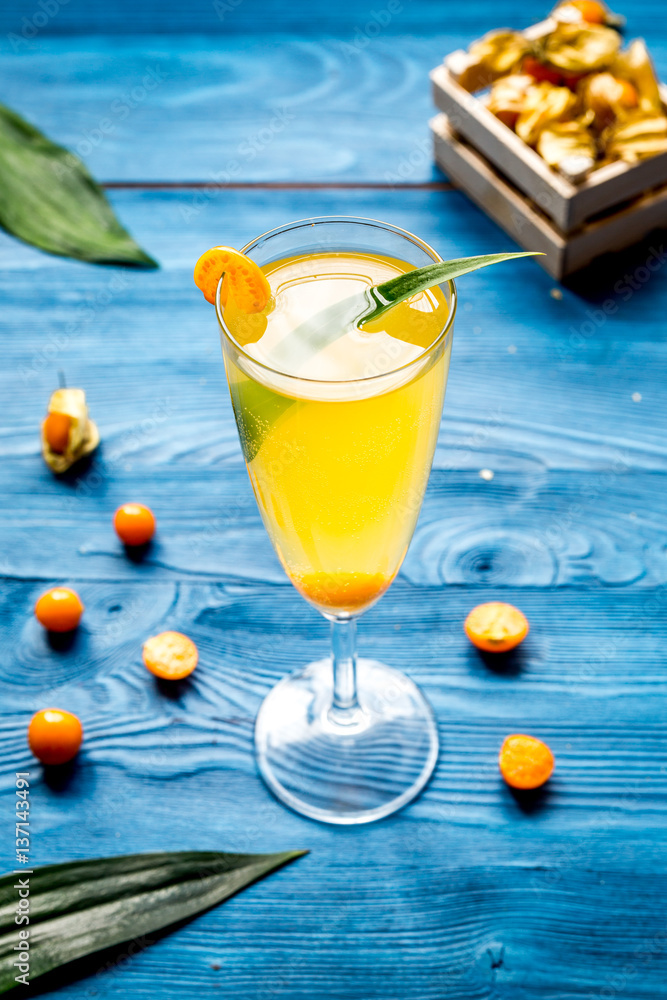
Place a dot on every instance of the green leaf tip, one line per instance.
(49, 199)
(383, 297)
(82, 907)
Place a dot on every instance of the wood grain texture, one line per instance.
(470, 892)
(225, 17)
(255, 107)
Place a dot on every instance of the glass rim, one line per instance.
(357, 220)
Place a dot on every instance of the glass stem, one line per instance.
(345, 707)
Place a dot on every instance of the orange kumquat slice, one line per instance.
(170, 655)
(525, 762)
(245, 280)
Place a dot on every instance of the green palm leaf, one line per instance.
(79, 908)
(49, 199)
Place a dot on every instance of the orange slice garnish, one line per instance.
(245, 280)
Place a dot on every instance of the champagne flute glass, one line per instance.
(338, 446)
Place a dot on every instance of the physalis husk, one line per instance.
(544, 104)
(495, 55)
(578, 48)
(68, 433)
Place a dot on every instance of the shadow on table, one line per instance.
(173, 690)
(63, 642)
(530, 801)
(509, 664)
(137, 553)
(620, 275)
(62, 777)
(73, 475)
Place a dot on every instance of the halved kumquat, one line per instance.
(496, 627)
(170, 655)
(59, 609)
(525, 762)
(244, 279)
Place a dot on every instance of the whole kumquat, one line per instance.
(59, 609)
(170, 655)
(56, 429)
(54, 736)
(134, 523)
(248, 283)
(496, 627)
(525, 762)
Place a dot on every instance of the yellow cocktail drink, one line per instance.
(338, 417)
(338, 453)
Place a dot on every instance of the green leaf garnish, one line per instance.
(80, 908)
(49, 199)
(257, 407)
(331, 323)
(396, 290)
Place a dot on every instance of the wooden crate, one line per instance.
(509, 179)
(526, 223)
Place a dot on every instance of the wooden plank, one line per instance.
(150, 338)
(469, 892)
(242, 109)
(563, 254)
(528, 528)
(463, 871)
(223, 17)
(346, 117)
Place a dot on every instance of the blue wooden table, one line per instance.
(210, 123)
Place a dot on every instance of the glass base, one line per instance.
(351, 766)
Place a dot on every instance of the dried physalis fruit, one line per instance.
(634, 64)
(543, 104)
(590, 11)
(496, 627)
(495, 55)
(525, 762)
(608, 97)
(562, 142)
(508, 96)
(68, 433)
(636, 139)
(580, 48)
